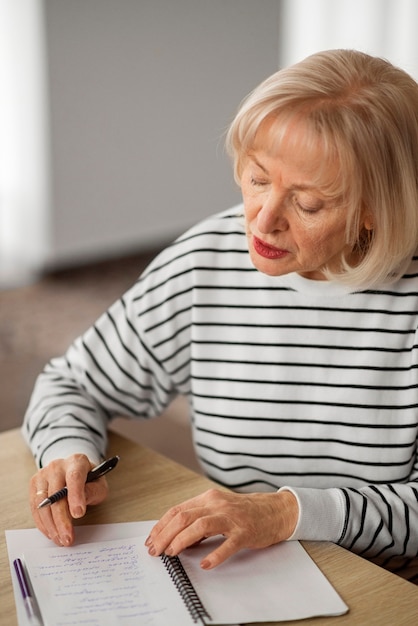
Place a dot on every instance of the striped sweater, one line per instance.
(292, 383)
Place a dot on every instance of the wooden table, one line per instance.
(146, 484)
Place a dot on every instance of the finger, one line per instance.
(224, 551)
(196, 532)
(172, 513)
(201, 528)
(53, 521)
(75, 480)
(56, 517)
(204, 502)
(96, 491)
(59, 523)
(184, 529)
(34, 501)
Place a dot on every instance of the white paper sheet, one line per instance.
(285, 584)
(104, 584)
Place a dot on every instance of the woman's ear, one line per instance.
(368, 223)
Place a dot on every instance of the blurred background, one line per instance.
(112, 118)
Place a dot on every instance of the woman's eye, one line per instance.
(257, 182)
(307, 207)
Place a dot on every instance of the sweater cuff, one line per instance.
(321, 514)
(64, 449)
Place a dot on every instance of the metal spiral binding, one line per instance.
(185, 588)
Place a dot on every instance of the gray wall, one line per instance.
(140, 94)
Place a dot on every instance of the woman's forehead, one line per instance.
(295, 140)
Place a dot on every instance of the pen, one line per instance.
(94, 474)
(27, 594)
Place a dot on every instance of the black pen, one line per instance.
(27, 593)
(94, 474)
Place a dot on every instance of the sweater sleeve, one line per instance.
(107, 372)
(378, 522)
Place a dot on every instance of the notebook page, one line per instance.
(277, 583)
(103, 584)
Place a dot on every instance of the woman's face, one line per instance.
(292, 226)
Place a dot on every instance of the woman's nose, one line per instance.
(271, 216)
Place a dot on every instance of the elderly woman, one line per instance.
(288, 322)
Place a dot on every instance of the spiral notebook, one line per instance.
(108, 580)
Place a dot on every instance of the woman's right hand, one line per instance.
(56, 520)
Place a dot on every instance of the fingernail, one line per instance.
(151, 551)
(66, 540)
(78, 512)
(169, 551)
(205, 564)
(148, 541)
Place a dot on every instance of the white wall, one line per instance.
(24, 154)
(381, 27)
(141, 92)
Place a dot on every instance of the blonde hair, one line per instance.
(365, 112)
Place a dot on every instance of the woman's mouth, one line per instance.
(268, 251)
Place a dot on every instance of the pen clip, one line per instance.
(102, 469)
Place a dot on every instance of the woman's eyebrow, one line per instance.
(257, 162)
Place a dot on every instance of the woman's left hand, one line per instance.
(245, 520)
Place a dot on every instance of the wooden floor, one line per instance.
(40, 320)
